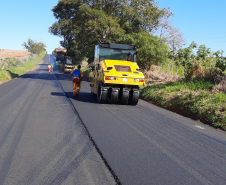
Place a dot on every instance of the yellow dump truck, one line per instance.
(64, 60)
(115, 76)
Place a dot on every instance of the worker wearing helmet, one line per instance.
(77, 77)
(49, 68)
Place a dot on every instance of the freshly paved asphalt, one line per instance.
(146, 145)
(42, 140)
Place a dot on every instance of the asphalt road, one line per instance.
(42, 140)
(146, 145)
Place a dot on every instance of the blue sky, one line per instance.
(23, 19)
(202, 21)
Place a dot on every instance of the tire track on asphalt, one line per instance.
(15, 111)
(158, 145)
(90, 137)
(22, 115)
(34, 173)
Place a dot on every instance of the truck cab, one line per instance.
(68, 65)
(115, 76)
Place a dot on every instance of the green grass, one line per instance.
(193, 96)
(86, 72)
(17, 68)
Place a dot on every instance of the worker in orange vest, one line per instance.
(77, 77)
(49, 68)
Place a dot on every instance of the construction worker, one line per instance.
(128, 57)
(77, 77)
(49, 68)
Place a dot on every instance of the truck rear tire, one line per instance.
(102, 95)
(114, 97)
(133, 97)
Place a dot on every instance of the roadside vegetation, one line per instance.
(195, 98)
(34, 47)
(198, 91)
(12, 67)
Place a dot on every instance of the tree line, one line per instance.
(193, 58)
(34, 47)
(85, 23)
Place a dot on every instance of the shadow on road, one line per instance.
(13, 75)
(35, 75)
(63, 76)
(42, 70)
(83, 96)
(58, 94)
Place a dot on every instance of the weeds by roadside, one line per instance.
(12, 67)
(86, 72)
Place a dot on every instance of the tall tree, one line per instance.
(175, 41)
(34, 47)
(84, 23)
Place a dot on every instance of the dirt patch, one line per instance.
(5, 53)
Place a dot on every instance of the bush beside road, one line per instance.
(12, 67)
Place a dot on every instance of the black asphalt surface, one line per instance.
(146, 145)
(42, 139)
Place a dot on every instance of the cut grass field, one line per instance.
(15, 71)
(193, 98)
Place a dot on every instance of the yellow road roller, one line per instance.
(115, 76)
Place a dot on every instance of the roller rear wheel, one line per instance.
(114, 97)
(102, 95)
(134, 97)
(124, 97)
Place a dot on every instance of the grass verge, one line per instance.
(192, 98)
(13, 71)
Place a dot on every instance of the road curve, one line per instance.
(145, 144)
(42, 140)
